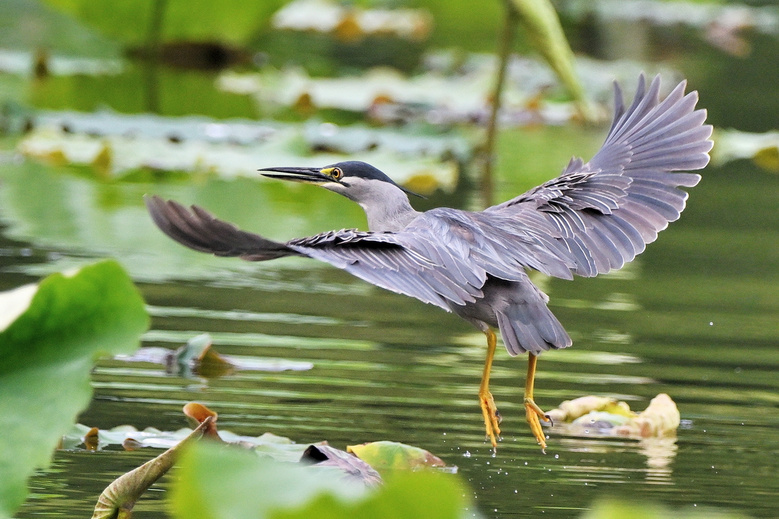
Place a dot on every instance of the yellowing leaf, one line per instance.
(383, 455)
(570, 410)
(597, 415)
(659, 419)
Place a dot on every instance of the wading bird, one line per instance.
(593, 218)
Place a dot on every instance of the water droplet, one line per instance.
(711, 323)
(516, 491)
(467, 454)
(557, 456)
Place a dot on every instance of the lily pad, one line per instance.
(266, 445)
(347, 22)
(54, 332)
(115, 145)
(317, 472)
(450, 89)
(761, 148)
(23, 63)
(389, 455)
(324, 34)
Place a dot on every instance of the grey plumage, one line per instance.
(594, 217)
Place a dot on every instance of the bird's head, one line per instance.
(353, 179)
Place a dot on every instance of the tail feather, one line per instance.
(531, 327)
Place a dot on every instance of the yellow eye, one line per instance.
(336, 173)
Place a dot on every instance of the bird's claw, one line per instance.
(534, 416)
(492, 417)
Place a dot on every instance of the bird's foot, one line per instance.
(491, 417)
(534, 416)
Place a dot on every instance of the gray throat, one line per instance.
(390, 214)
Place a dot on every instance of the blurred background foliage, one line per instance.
(103, 101)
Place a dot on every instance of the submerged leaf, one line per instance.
(61, 327)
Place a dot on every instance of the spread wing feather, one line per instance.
(405, 263)
(607, 210)
(593, 218)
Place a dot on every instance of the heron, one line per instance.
(592, 218)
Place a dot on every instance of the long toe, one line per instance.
(534, 416)
(491, 417)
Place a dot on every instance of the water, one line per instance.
(696, 316)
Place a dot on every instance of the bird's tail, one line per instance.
(531, 327)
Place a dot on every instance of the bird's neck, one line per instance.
(392, 215)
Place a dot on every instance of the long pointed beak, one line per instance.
(309, 175)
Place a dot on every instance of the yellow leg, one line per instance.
(488, 408)
(532, 411)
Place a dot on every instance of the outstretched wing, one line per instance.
(388, 260)
(198, 229)
(608, 209)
